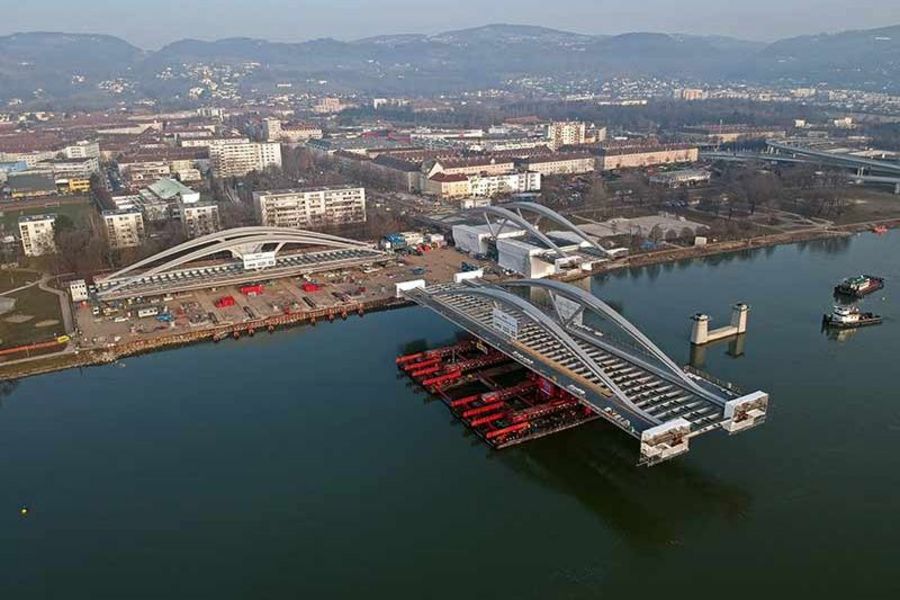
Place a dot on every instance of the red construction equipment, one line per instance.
(507, 393)
(310, 287)
(488, 419)
(426, 371)
(402, 360)
(463, 401)
(442, 379)
(487, 408)
(542, 410)
(225, 301)
(437, 352)
(481, 362)
(252, 290)
(508, 430)
(415, 366)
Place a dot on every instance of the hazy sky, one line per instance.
(152, 23)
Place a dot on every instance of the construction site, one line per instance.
(498, 399)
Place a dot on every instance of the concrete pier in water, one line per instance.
(701, 333)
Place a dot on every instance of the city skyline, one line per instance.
(282, 20)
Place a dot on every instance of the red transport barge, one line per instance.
(502, 402)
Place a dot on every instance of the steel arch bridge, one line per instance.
(635, 386)
(512, 213)
(169, 270)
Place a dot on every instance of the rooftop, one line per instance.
(306, 190)
(35, 218)
(168, 188)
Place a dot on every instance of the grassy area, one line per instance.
(867, 205)
(10, 213)
(33, 302)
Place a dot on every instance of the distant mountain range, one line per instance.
(69, 66)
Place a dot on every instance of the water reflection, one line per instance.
(838, 335)
(735, 348)
(7, 388)
(828, 246)
(595, 464)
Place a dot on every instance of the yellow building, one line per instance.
(79, 186)
(448, 186)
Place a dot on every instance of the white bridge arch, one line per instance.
(238, 242)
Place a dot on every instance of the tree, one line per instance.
(656, 234)
(62, 224)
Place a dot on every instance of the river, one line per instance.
(300, 465)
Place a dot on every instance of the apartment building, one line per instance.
(454, 186)
(447, 186)
(566, 133)
(82, 150)
(200, 219)
(311, 207)
(560, 164)
(124, 227)
(36, 233)
(479, 165)
(238, 159)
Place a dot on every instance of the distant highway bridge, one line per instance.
(586, 347)
(862, 169)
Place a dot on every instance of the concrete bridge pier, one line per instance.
(700, 331)
(701, 334)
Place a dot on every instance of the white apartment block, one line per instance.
(450, 187)
(200, 219)
(36, 232)
(83, 149)
(124, 228)
(238, 159)
(566, 133)
(311, 207)
(208, 142)
(510, 183)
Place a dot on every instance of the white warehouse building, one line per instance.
(535, 261)
(475, 239)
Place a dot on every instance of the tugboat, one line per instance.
(859, 286)
(849, 317)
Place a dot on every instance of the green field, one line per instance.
(32, 302)
(10, 213)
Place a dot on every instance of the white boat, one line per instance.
(848, 317)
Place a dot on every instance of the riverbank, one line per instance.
(726, 247)
(87, 357)
(80, 358)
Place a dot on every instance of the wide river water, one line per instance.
(298, 465)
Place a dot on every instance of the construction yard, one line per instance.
(336, 291)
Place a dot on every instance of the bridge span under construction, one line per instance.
(546, 356)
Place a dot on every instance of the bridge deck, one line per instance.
(663, 398)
